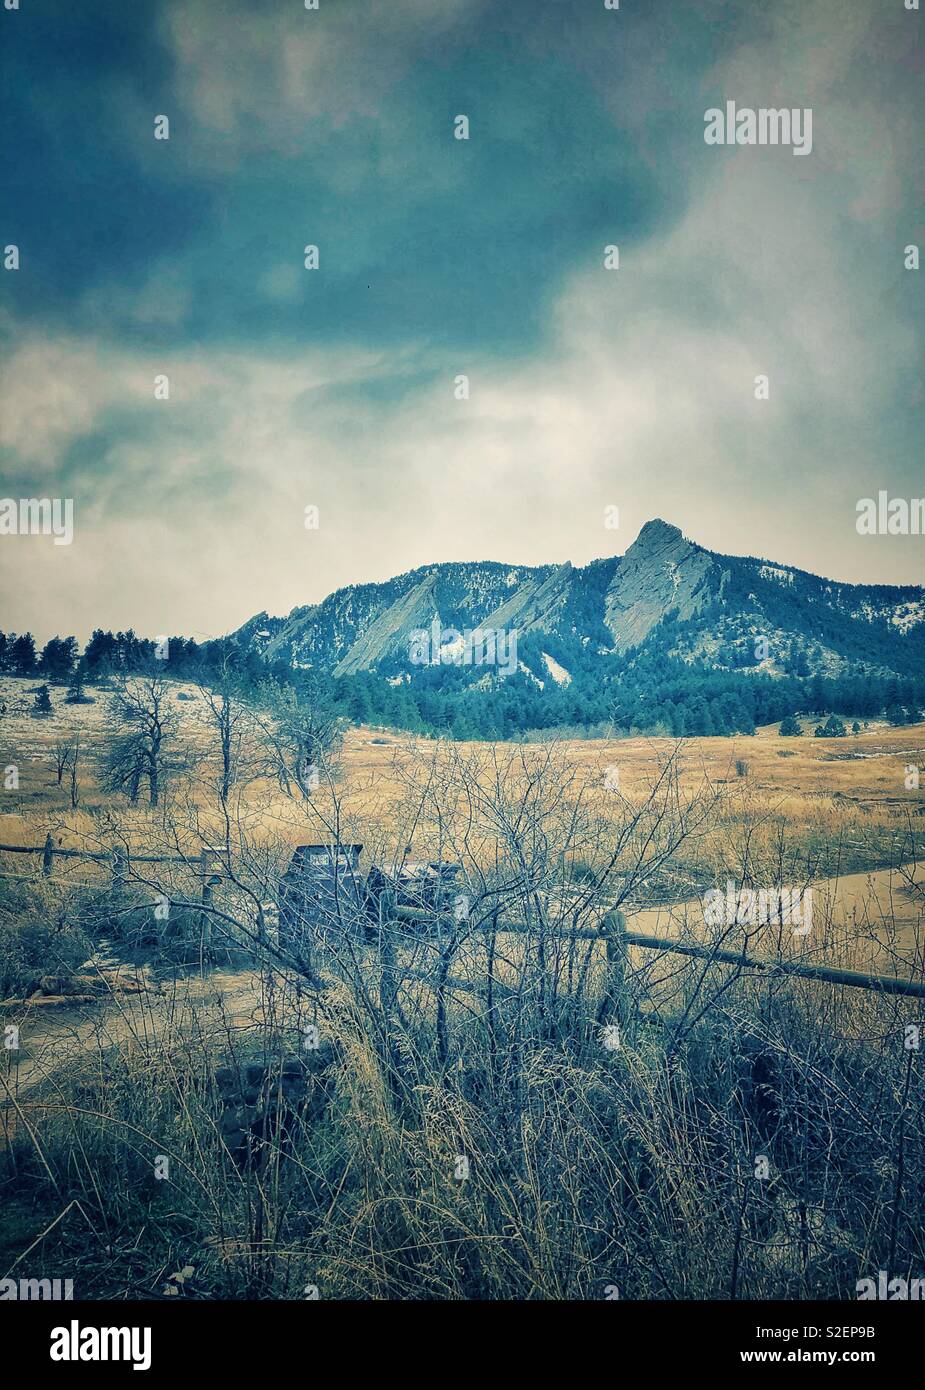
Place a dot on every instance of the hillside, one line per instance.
(712, 603)
(670, 637)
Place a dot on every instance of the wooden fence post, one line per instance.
(490, 990)
(388, 989)
(614, 1005)
(387, 986)
(48, 855)
(205, 918)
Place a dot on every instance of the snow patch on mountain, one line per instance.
(908, 615)
(558, 673)
(773, 572)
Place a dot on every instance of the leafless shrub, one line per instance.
(502, 1100)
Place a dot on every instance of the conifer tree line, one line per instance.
(644, 691)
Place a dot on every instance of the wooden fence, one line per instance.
(50, 851)
(613, 933)
(612, 930)
(118, 858)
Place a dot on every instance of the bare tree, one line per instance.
(61, 755)
(303, 734)
(75, 761)
(149, 724)
(232, 720)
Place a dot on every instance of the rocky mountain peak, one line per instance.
(609, 605)
(661, 571)
(657, 534)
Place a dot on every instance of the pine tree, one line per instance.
(58, 658)
(22, 655)
(42, 701)
(75, 688)
(100, 653)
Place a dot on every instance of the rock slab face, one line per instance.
(536, 605)
(660, 572)
(390, 633)
(609, 606)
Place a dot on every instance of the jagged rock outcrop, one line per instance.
(660, 572)
(390, 632)
(536, 605)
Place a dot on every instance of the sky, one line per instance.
(588, 387)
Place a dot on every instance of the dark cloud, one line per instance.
(441, 257)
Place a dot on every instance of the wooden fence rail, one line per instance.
(50, 851)
(612, 931)
(119, 858)
(615, 936)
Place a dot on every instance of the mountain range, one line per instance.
(666, 594)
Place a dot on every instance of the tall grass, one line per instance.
(757, 1155)
(443, 1109)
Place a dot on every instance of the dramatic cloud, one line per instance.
(588, 386)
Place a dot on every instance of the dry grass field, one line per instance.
(811, 785)
(462, 1038)
(840, 812)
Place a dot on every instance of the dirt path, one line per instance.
(864, 921)
(54, 1036)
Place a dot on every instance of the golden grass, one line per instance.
(819, 787)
